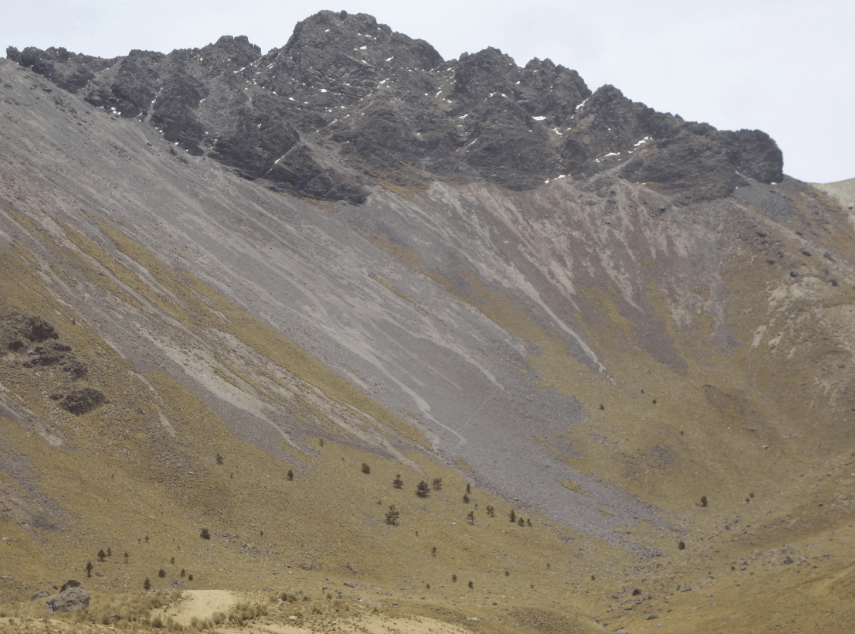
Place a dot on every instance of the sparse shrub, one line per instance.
(182, 573)
(548, 566)
(126, 556)
(172, 560)
(521, 522)
(513, 516)
(321, 442)
(654, 401)
(491, 511)
(433, 551)
(290, 474)
(465, 499)
(593, 577)
(392, 516)
(453, 578)
(703, 500)
(471, 585)
(189, 577)
(146, 584)
(205, 534)
(602, 406)
(471, 517)
(468, 488)
(528, 522)
(437, 484)
(161, 573)
(156, 622)
(422, 490)
(397, 482)
(751, 495)
(365, 468)
(427, 586)
(88, 568)
(109, 552)
(507, 573)
(146, 539)
(219, 459)
(681, 545)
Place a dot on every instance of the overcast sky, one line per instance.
(783, 66)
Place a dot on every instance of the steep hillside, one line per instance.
(268, 295)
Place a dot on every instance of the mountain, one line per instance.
(253, 293)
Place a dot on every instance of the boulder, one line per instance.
(73, 598)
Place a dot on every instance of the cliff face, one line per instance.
(387, 107)
(230, 279)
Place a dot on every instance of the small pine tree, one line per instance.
(365, 468)
(126, 556)
(507, 573)
(471, 517)
(182, 573)
(471, 585)
(681, 545)
(468, 488)
(397, 482)
(392, 516)
(189, 577)
(422, 490)
(161, 573)
(205, 534)
(521, 522)
(290, 474)
(101, 555)
(491, 511)
(453, 578)
(433, 551)
(513, 516)
(89, 568)
(172, 560)
(703, 500)
(437, 484)
(465, 499)
(528, 522)
(219, 459)
(109, 552)
(146, 584)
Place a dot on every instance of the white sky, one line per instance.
(783, 66)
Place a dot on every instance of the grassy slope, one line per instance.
(124, 481)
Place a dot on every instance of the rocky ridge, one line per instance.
(347, 102)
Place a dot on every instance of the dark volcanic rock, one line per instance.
(391, 108)
(17, 329)
(69, 71)
(82, 401)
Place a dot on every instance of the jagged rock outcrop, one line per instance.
(391, 109)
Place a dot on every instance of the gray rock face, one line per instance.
(73, 598)
(388, 108)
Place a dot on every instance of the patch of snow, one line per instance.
(463, 117)
(362, 48)
(644, 140)
(323, 89)
(391, 58)
(538, 118)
